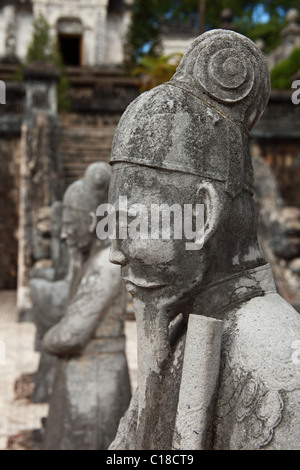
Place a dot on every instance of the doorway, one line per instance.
(70, 46)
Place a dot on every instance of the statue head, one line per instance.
(80, 203)
(186, 142)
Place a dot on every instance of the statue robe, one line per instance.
(257, 400)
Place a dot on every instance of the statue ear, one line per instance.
(93, 222)
(209, 197)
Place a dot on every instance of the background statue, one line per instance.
(217, 346)
(91, 389)
(49, 295)
(279, 232)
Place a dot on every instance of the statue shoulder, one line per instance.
(261, 335)
(259, 391)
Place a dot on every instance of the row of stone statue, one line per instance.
(83, 371)
(218, 348)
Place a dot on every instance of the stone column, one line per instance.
(101, 33)
(10, 34)
(40, 174)
(291, 33)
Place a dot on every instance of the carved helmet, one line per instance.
(199, 121)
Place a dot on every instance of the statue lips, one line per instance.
(143, 283)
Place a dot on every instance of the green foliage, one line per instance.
(241, 9)
(143, 30)
(156, 70)
(147, 16)
(282, 73)
(44, 49)
(184, 9)
(278, 7)
(63, 103)
(268, 32)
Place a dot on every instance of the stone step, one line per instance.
(96, 154)
(83, 145)
(79, 131)
(98, 145)
(80, 166)
(82, 158)
(71, 139)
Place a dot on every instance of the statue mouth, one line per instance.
(142, 283)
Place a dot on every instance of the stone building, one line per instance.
(89, 32)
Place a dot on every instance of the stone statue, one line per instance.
(49, 294)
(91, 389)
(218, 348)
(59, 249)
(49, 300)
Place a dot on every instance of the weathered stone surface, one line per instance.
(186, 142)
(49, 301)
(91, 390)
(59, 250)
(198, 382)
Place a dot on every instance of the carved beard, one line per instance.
(159, 375)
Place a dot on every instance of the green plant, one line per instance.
(257, 20)
(269, 32)
(282, 73)
(156, 70)
(143, 32)
(43, 48)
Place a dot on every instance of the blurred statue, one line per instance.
(49, 287)
(279, 231)
(92, 388)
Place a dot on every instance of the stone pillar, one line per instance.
(291, 33)
(10, 34)
(100, 53)
(290, 39)
(40, 174)
(41, 89)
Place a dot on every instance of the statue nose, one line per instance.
(116, 255)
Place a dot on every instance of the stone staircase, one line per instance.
(83, 143)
